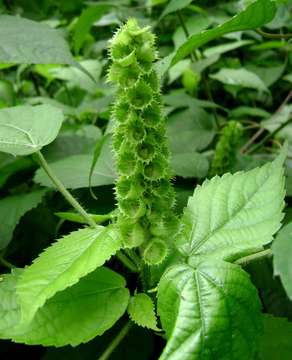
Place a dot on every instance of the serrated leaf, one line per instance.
(26, 129)
(175, 5)
(282, 251)
(239, 77)
(209, 312)
(12, 208)
(63, 264)
(25, 41)
(233, 214)
(74, 170)
(255, 15)
(141, 311)
(71, 317)
(85, 21)
(276, 341)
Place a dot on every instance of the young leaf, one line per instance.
(86, 19)
(92, 306)
(276, 341)
(141, 311)
(26, 129)
(209, 312)
(255, 15)
(174, 5)
(25, 41)
(12, 208)
(282, 250)
(63, 264)
(232, 214)
(74, 170)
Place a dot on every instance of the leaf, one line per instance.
(209, 312)
(239, 77)
(233, 214)
(195, 128)
(282, 251)
(221, 49)
(25, 41)
(174, 5)
(26, 129)
(141, 311)
(74, 170)
(63, 264)
(92, 306)
(276, 342)
(269, 75)
(12, 208)
(85, 21)
(255, 15)
(9, 308)
(190, 165)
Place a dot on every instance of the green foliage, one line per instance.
(226, 148)
(143, 189)
(93, 305)
(132, 165)
(12, 208)
(62, 265)
(276, 341)
(26, 129)
(233, 214)
(255, 15)
(141, 311)
(22, 42)
(282, 250)
(227, 320)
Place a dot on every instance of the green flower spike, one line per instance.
(144, 193)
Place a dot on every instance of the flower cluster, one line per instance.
(144, 192)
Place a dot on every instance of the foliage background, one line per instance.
(242, 78)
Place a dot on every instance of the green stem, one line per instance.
(273, 36)
(116, 341)
(254, 257)
(6, 263)
(134, 257)
(127, 262)
(67, 195)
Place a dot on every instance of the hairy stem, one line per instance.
(67, 195)
(117, 340)
(254, 257)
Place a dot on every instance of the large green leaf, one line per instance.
(25, 41)
(12, 208)
(10, 164)
(26, 129)
(86, 19)
(240, 77)
(63, 264)
(282, 250)
(255, 15)
(212, 312)
(276, 342)
(141, 311)
(74, 170)
(233, 214)
(73, 316)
